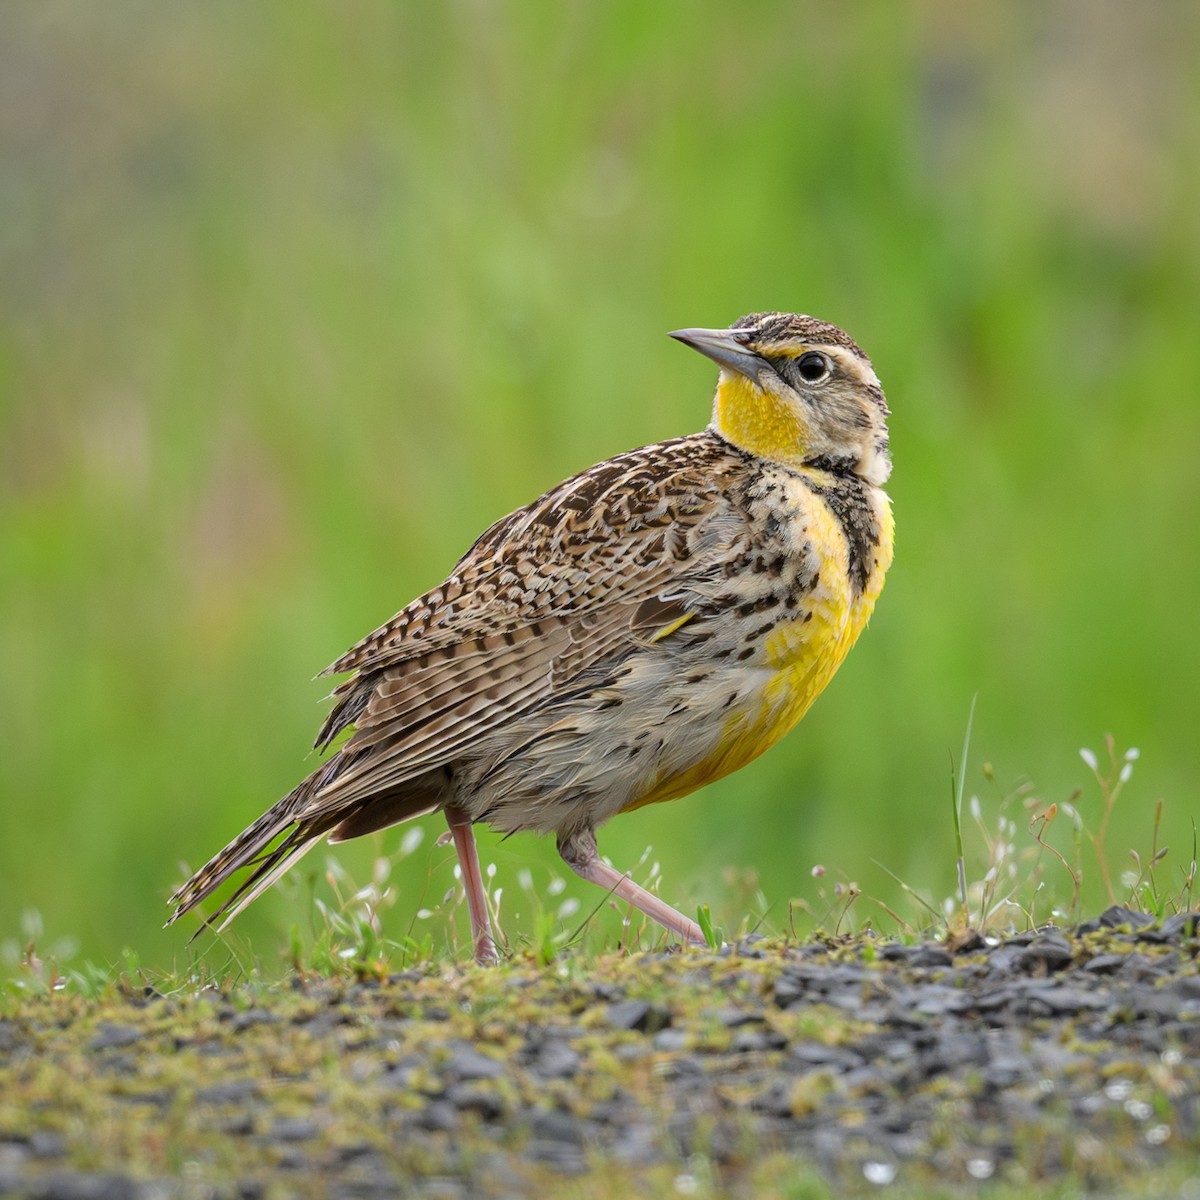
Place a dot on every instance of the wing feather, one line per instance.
(614, 560)
(398, 741)
(528, 564)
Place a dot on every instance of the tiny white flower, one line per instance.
(879, 1173)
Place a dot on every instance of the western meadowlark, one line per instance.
(640, 630)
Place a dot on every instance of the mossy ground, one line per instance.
(1045, 1066)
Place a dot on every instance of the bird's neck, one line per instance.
(758, 422)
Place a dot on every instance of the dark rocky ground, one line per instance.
(1049, 1063)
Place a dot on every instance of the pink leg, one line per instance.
(579, 853)
(468, 860)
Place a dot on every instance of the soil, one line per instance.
(826, 1068)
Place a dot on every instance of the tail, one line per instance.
(250, 848)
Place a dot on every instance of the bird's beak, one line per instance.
(723, 346)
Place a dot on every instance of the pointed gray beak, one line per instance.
(723, 346)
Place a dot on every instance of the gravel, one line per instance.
(869, 1063)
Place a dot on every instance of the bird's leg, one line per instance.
(468, 860)
(579, 853)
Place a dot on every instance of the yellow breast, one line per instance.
(803, 653)
(807, 651)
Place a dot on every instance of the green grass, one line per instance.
(1020, 866)
(294, 301)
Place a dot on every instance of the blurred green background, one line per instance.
(296, 299)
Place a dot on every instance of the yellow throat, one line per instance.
(758, 421)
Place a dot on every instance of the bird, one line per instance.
(644, 628)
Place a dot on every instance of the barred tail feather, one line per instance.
(268, 871)
(308, 823)
(250, 848)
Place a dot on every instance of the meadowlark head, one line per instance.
(797, 391)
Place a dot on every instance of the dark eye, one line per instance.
(813, 367)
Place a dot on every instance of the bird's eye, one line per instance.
(813, 367)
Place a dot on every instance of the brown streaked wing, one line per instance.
(397, 740)
(554, 557)
(596, 566)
